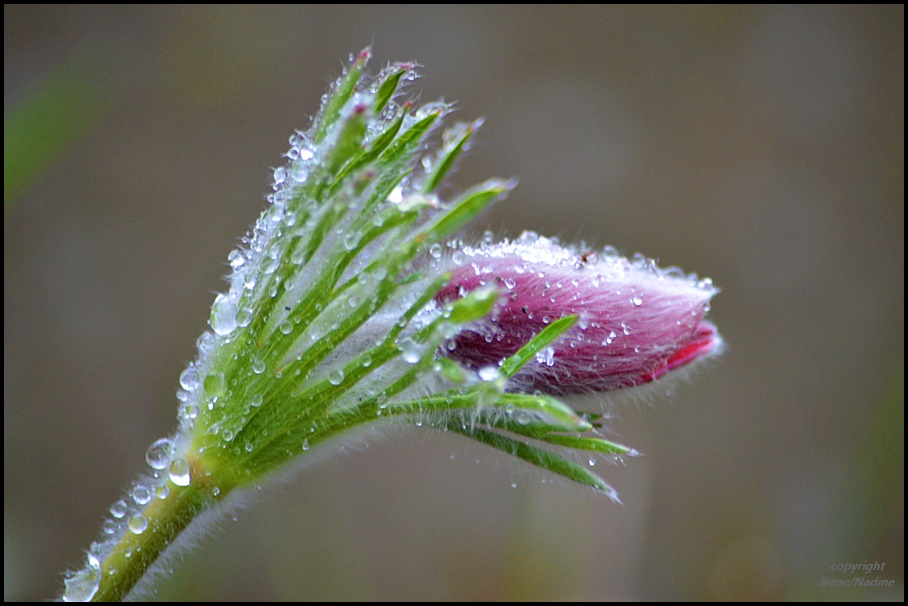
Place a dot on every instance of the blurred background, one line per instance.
(760, 146)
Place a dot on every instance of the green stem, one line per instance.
(167, 518)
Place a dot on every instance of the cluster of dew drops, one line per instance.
(126, 516)
(248, 265)
(256, 259)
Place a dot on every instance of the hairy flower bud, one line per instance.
(636, 321)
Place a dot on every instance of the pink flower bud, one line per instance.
(636, 321)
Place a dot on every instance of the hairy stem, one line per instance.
(166, 519)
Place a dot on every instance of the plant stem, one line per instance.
(167, 518)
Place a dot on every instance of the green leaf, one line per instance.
(450, 155)
(341, 94)
(475, 305)
(349, 144)
(400, 152)
(536, 415)
(388, 88)
(537, 456)
(467, 208)
(587, 444)
(547, 336)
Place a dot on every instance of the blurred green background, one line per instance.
(760, 146)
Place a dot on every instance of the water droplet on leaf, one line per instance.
(189, 379)
(138, 524)
(243, 318)
(82, 586)
(223, 315)
(489, 373)
(159, 453)
(141, 494)
(179, 472)
(118, 509)
(214, 384)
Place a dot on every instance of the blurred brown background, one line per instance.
(760, 146)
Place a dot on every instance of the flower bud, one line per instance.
(636, 322)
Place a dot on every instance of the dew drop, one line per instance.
(110, 527)
(305, 444)
(351, 240)
(269, 265)
(299, 172)
(258, 367)
(286, 328)
(141, 494)
(189, 379)
(214, 384)
(336, 377)
(546, 356)
(179, 472)
(256, 400)
(489, 373)
(223, 315)
(236, 259)
(190, 411)
(411, 352)
(243, 318)
(637, 300)
(118, 509)
(159, 453)
(138, 524)
(82, 586)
